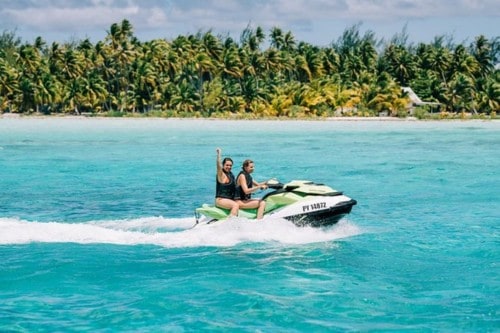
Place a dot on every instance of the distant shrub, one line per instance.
(421, 113)
(114, 114)
(402, 113)
(445, 115)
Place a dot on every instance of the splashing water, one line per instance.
(170, 232)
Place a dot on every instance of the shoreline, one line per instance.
(326, 119)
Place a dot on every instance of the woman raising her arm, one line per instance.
(225, 185)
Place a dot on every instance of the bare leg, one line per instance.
(254, 203)
(228, 204)
(260, 211)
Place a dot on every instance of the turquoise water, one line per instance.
(96, 229)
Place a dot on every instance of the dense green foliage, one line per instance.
(212, 76)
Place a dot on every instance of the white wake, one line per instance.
(170, 232)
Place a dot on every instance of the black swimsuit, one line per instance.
(239, 191)
(225, 190)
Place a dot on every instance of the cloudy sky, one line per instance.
(315, 21)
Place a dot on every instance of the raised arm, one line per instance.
(221, 176)
(218, 161)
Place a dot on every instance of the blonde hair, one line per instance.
(246, 163)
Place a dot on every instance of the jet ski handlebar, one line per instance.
(274, 184)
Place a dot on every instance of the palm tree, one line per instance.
(397, 61)
(205, 69)
(481, 50)
(32, 65)
(185, 98)
(427, 85)
(163, 57)
(40, 44)
(489, 97)
(464, 63)
(277, 38)
(71, 64)
(93, 92)
(9, 44)
(308, 61)
(252, 39)
(388, 95)
(352, 67)
(368, 52)
(119, 54)
(25, 100)
(312, 97)
(212, 100)
(331, 61)
(463, 92)
(289, 42)
(440, 61)
(8, 85)
(303, 73)
(212, 46)
(231, 64)
(272, 62)
(280, 104)
(47, 93)
(29, 59)
(145, 81)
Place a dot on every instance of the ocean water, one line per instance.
(96, 228)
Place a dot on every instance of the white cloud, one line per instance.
(173, 17)
(50, 18)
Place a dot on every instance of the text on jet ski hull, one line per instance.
(314, 206)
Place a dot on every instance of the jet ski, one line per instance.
(303, 202)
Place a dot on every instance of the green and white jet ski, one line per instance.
(302, 202)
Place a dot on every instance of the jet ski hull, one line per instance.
(324, 217)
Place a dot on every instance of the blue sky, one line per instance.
(318, 22)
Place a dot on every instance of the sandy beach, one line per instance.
(341, 119)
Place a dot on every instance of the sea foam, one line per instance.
(170, 232)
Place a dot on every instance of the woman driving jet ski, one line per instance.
(245, 186)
